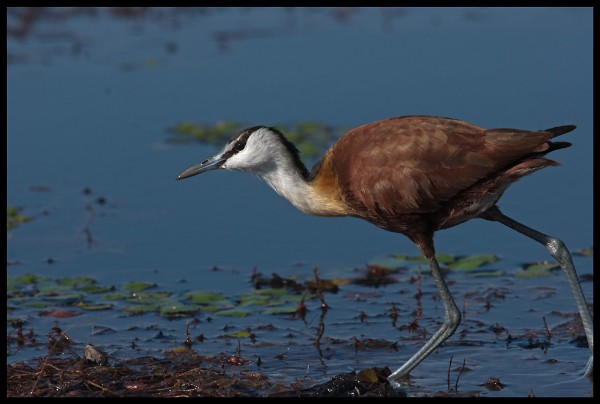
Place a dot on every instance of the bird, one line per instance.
(413, 175)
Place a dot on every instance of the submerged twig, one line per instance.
(449, 366)
(547, 329)
(319, 289)
(462, 368)
(86, 226)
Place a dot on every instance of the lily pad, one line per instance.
(541, 266)
(472, 262)
(487, 273)
(179, 310)
(141, 309)
(311, 138)
(149, 297)
(586, 252)
(94, 306)
(50, 290)
(74, 282)
(537, 270)
(270, 297)
(36, 304)
(116, 296)
(240, 334)
(14, 217)
(67, 298)
(233, 313)
(203, 296)
(441, 258)
(281, 310)
(17, 281)
(137, 286)
(213, 308)
(96, 289)
(185, 132)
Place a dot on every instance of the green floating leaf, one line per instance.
(203, 296)
(141, 309)
(149, 297)
(269, 297)
(18, 299)
(117, 296)
(445, 258)
(96, 289)
(537, 270)
(66, 298)
(213, 308)
(311, 138)
(49, 290)
(179, 310)
(540, 266)
(533, 274)
(586, 252)
(441, 258)
(391, 262)
(473, 262)
(250, 299)
(402, 257)
(74, 282)
(185, 132)
(233, 313)
(281, 310)
(272, 292)
(309, 150)
(14, 218)
(179, 350)
(22, 280)
(136, 286)
(239, 334)
(487, 273)
(94, 306)
(36, 304)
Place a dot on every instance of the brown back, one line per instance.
(416, 164)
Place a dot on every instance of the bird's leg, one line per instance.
(559, 251)
(452, 316)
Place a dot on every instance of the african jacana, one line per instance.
(412, 175)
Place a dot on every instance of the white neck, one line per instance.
(286, 180)
(266, 156)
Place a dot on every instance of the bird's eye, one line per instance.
(239, 146)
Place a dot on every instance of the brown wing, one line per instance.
(414, 164)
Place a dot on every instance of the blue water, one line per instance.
(90, 99)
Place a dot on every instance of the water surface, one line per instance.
(92, 93)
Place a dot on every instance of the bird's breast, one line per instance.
(325, 193)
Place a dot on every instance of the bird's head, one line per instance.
(257, 150)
